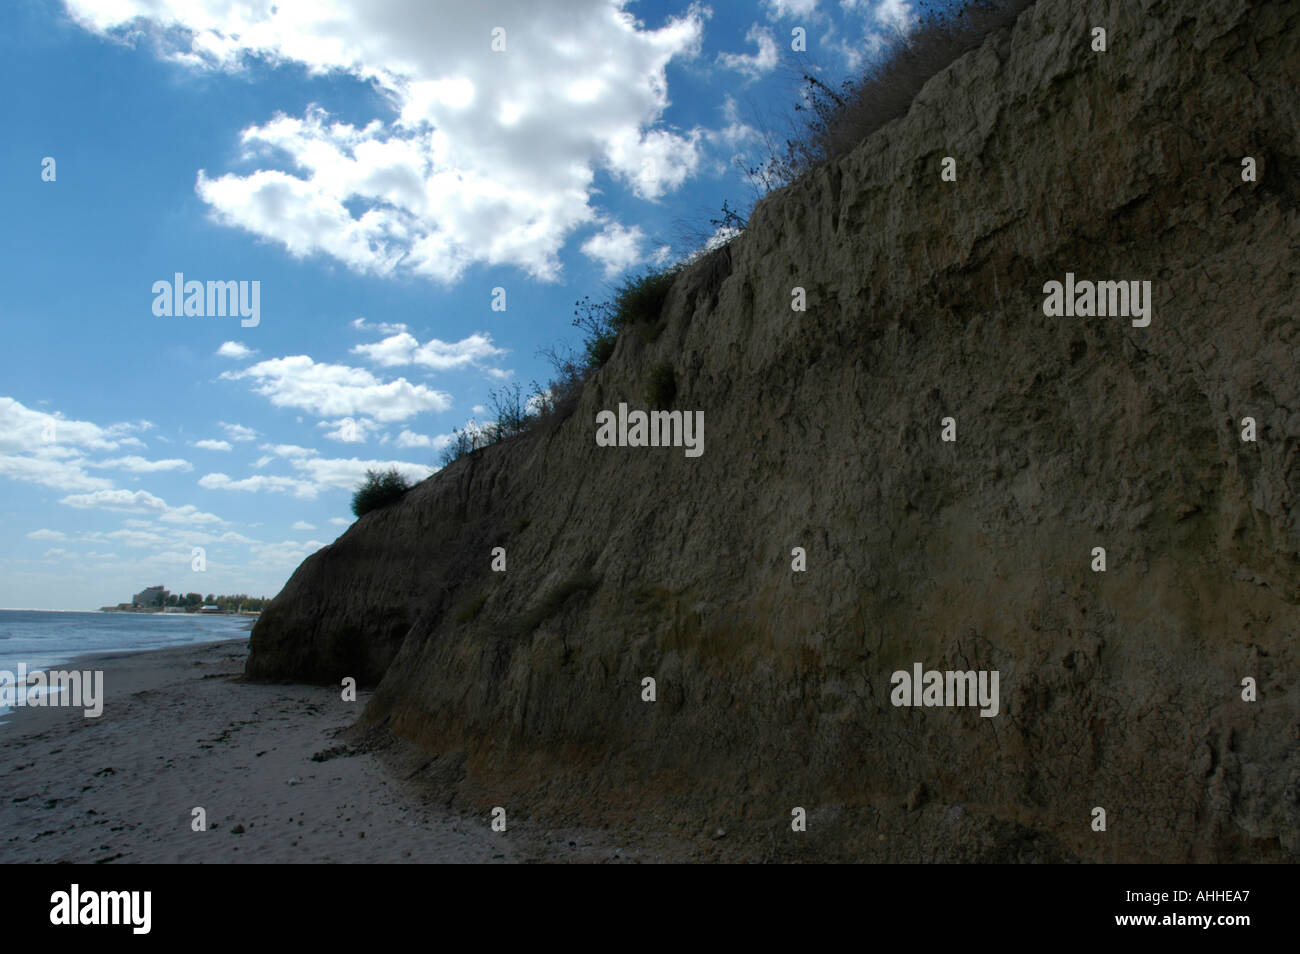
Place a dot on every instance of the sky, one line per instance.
(410, 195)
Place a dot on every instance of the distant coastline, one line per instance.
(154, 611)
(158, 600)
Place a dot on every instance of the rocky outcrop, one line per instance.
(1119, 689)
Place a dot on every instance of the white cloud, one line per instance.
(212, 445)
(316, 474)
(237, 432)
(491, 158)
(411, 439)
(139, 501)
(736, 133)
(302, 525)
(383, 327)
(755, 64)
(348, 473)
(891, 14)
(236, 350)
(132, 501)
(48, 472)
(349, 430)
(47, 535)
(286, 554)
(189, 514)
(404, 349)
(49, 450)
(23, 430)
(340, 521)
(336, 390)
(615, 247)
(895, 14)
(288, 450)
(259, 483)
(779, 9)
(139, 465)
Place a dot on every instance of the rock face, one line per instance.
(1119, 690)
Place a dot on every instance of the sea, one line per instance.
(45, 640)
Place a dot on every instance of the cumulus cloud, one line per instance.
(259, 483)
(49, 472)
(894, 14)
(383, 327)
(139, 501)
(615, 247)
(404, 348)
(336, 390)
(315, 474)
(302, 525)
(349, 430)
(490, 157)
(236, 350)
(753, 65)
(345, 474)
(289, 450)
(139, 465)
(47, 535)
(237, 432)
(411, 439)
(132, 501)
(212, 445)
(779, 9)
(23, 429)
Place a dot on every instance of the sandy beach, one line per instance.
(269, 764)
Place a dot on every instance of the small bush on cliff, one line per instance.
(640, 299)
(511, 416)
(835, 121)
(379, 490)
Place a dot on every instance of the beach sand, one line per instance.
(268, 763)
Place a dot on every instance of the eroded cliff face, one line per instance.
(1120, 690)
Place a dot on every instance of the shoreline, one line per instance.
(277, 769)
(180, 730)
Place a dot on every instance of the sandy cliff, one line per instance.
(1119, 690)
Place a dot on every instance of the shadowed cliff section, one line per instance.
(1119, 690)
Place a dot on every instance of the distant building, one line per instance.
(150, 596)
(209, 609)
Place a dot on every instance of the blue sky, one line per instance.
(378, 169)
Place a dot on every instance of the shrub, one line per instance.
(661, 386)
(641, 299)
(834, 122)
(379, 490)
(638, 301)
(511, 416)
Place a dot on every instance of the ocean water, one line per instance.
(45, 640)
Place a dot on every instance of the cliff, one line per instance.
(1119, 689)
